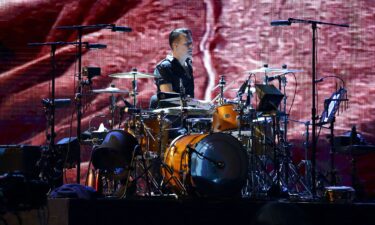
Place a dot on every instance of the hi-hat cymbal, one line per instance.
(111, 90)
(132, 75)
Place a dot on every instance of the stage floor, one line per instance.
(190, 211)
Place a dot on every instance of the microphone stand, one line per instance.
(314, 24)
(78, 95)
(52, 106)
(53, 45)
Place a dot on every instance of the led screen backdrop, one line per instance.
(230, 37)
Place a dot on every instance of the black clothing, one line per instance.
(169, 70)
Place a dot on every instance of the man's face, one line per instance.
(184, 46)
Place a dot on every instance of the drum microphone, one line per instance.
(218, 164)
(131, 110)
(243, 88)
(268, 79)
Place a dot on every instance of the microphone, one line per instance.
(243, 87)
(280, 23)
(249, 94)
(268, 79)
(121, 28)
(131, 110)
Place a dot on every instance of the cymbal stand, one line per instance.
(140, 161)
(183, 101)
(259, 180)
(287, 175)
(159, 159)
(112, 109)
(302, 184)
(134, 92)
(222, 83)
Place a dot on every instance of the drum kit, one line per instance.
(219, 148)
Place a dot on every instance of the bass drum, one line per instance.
(206, 164)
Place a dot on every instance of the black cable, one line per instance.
(295, 93)
(70, 137)
(333, 76)
(316, 72)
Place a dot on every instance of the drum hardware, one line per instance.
(50, 108)
(180, 184)
(151, 157)
(222, 85)
(131, 168)
(314, 26)
(112, 100)
(222, 101)
(306, 163)
(79, 43)
(270, 99)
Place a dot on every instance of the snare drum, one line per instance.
(206, 164)
(225, 118)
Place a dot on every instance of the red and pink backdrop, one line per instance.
(230, 37)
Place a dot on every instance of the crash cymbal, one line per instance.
(132, 75)
(111, 90)
(273, 70)
(290, 71)
(265, 70)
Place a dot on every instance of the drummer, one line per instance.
(176, 68)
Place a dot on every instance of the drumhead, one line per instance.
(226, 173)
